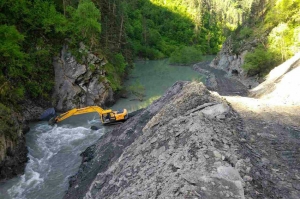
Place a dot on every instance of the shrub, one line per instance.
(119, 62)
(261, 61)
(113, 77)
(186, 56)
(245, 32)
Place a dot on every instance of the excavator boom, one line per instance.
(110, 116)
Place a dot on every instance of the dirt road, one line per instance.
(217, 81)
(269, 137)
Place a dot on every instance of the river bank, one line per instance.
(217, 80)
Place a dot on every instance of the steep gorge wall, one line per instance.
(13, 150)
(13, 156)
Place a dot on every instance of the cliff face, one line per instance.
(13, 150)
(13, 156)
(79, 85)
(183, 145)
(232, 63)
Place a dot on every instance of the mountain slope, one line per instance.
(282, 83)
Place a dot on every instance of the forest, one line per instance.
(33, 32)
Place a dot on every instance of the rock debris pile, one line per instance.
(184, 145)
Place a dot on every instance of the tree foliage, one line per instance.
(278, 32)
(84, 22)
(32, 32)
(260, 61)
(26, 44)
(186, 56)
(154, 29)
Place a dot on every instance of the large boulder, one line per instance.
(181, 146)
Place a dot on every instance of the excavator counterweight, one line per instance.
(106, 116)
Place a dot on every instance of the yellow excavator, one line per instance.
(106, 116)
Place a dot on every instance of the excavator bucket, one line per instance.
(52, 121)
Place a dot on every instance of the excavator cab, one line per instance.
(106, 116)
(113, 116)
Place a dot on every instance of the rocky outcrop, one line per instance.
(13, 150)
(184, 145)
(13, 156)
(32, 110)
(232, 63)
(79, 85)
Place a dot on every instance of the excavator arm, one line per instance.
(75, 111)
(110, 116)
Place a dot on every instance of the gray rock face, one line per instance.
(31, 111)
(181, 146)
(13, 156)
(13, 152)
(78, 85)
(232, 63)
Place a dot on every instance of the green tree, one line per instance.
(85, 22)
(280, 39)
(11, 54)
(261, 61)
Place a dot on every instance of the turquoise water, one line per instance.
(155, 77)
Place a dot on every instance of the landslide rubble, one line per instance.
(185, 145)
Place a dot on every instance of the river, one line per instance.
(54, 151)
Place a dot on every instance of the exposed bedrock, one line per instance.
(14, 126)
(79, 85)
(184, 145)
(232, 63)
(13, 156)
